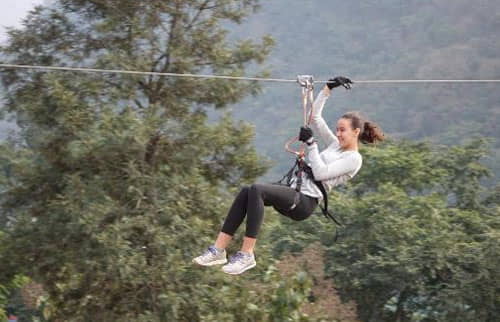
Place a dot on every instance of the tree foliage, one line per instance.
(419, 236)
(116, 181)
(112, 174)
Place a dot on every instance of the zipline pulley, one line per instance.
(306, 82)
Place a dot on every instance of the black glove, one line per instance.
(306, 135)
(339, 81)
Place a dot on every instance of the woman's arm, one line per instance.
(323, 171)
(318, 124)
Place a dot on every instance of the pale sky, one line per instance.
(12, 12)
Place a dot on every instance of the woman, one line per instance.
(336, 164)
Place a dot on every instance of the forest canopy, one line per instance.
(113, 183)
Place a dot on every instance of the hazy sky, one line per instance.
(12, 12)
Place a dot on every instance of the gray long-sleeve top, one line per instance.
(333, 166)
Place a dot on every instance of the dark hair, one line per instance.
(370, 132)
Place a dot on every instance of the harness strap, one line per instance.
(308, 171)
(298, 174)
(287, 178)
(287, 181)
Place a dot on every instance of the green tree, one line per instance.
(415, 246)
(117, 181)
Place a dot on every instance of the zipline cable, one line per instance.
(259, 79)
(133, 72)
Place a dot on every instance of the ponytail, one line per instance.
(370, 132)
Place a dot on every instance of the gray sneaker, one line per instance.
(211, 257)
(238, 263)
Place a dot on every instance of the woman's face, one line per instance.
(348, 137)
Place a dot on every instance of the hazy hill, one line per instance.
(387, 39)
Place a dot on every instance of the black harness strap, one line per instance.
(287, 178)
(287, 181)
(307, 169)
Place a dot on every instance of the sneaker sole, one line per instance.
(242, 271)
(217, 262)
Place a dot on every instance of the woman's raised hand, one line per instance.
(339, 81)
(306, 135)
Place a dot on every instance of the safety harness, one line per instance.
(300, 166)
(298, 169)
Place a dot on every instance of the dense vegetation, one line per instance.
(115, 182)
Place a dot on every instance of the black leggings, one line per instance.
(251, 201)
